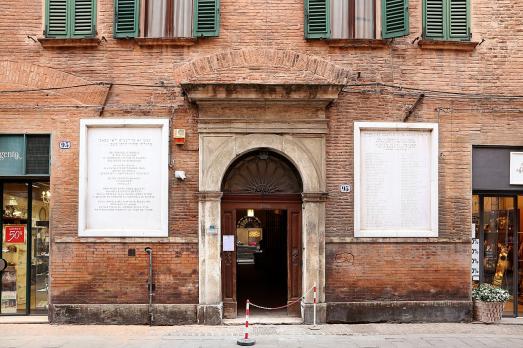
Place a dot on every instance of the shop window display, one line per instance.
(14, 249)
(496, 222)
(25, 247)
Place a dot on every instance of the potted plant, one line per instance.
(488, 302)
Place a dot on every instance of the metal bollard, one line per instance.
(314, 326)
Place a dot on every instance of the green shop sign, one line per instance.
(12, 155)
(18, 155)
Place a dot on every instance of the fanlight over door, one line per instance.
(262, 172)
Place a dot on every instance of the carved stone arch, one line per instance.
(262, 172)
(310, 168)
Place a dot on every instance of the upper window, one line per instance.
(446, 19)
(355, 19)
(166, 18)
(70, 18)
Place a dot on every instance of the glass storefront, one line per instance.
(24, 222)
(497, 220)
(25, 246)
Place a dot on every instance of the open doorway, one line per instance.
(261, 230)
(261, 259)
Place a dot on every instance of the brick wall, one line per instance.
(251, 30)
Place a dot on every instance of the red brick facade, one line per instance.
(262, 42)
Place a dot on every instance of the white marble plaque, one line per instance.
(396, 180)
(123, 178)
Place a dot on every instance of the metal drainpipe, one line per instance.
(149, 251)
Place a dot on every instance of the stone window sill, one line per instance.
(69, 42)
(447, 45)
(164, 41)
(363, 43)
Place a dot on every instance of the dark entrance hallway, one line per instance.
(261, 258)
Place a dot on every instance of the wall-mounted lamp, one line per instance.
(250, 212)
(180, 175)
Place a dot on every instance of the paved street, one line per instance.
(288, 336)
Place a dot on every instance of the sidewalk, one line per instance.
(287, 336)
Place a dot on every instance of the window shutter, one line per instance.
(434, 19)
(317, 19)
(56, 18)
(83, 18)
(37, 154)
(206, 18)
(395, 14)
(459, 19)
(126, 17)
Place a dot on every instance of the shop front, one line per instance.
(497, 203)
(25, 197)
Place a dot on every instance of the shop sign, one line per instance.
(15, 234)
(475, 259)
(12, 154)
(516, 168)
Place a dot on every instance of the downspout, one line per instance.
(149, 251)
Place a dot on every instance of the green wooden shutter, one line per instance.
(459, 19)
(395, 14)
(317, 19)
(434, 19)
(126, 18)
(56, 18)
(206, 18)
(83, 18)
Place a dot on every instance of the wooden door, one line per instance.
(291, 203)
(229, 265)
(294, 259)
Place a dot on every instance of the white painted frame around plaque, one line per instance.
(85, 125)
(516, 168)
(388, 126)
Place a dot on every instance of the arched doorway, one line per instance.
(261, 233)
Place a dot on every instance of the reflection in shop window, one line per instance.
(499, 217)
(40, 248)
(14, 249)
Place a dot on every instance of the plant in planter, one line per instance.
(488, 302)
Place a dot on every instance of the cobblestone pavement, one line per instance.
(288, 336)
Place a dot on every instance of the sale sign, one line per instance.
(14, 234)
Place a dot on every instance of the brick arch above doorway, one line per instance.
(259, 63)
(26, 75)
